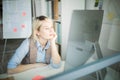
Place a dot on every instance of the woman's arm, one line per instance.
(54, 51)
(19, 54)
(55, 55)
(22, 68)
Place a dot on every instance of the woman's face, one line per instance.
(46, 30)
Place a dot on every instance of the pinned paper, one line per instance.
(24, 14)
(15, 29)
(23, 25)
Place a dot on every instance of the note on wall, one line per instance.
(16, 18)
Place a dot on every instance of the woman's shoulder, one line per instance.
(26, 41)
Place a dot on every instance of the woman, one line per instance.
(38, 50)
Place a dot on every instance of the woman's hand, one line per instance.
(53, 36)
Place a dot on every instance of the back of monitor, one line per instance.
(84, 31)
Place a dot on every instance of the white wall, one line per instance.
(111, 11)
(89, 4)
(67, 6)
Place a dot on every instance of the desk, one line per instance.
(29, 74)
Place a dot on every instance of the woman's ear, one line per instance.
(37, 32)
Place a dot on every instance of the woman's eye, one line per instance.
(47, 28)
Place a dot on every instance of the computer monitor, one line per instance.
(84, 31)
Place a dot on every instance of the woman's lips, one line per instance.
(51, 34)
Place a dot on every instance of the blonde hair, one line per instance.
(37, 23)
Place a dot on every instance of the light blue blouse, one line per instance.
(23, 49)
